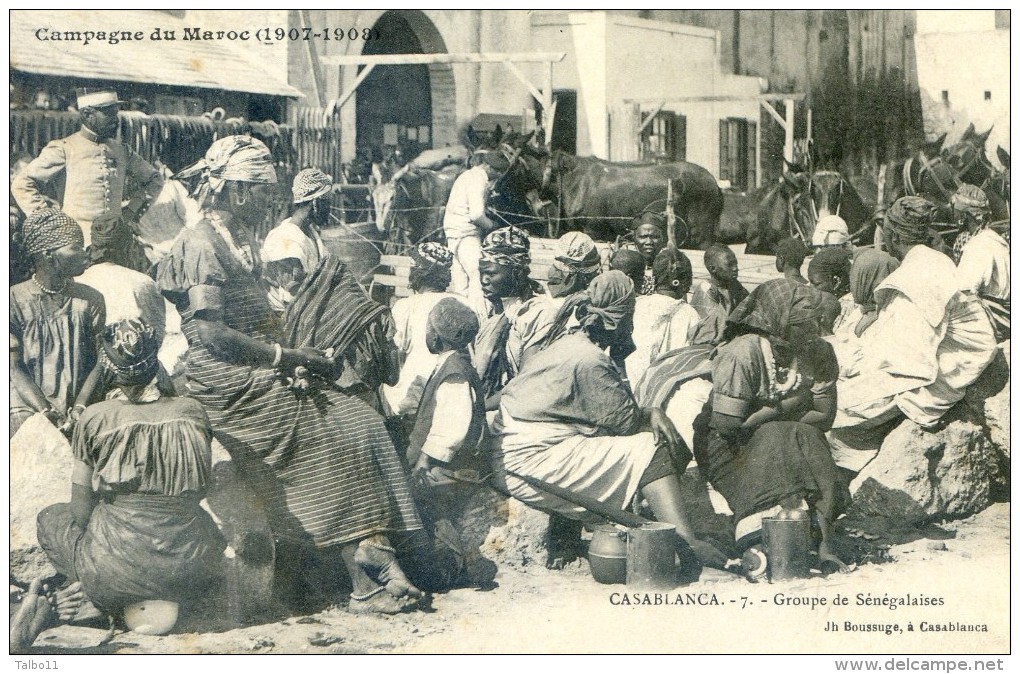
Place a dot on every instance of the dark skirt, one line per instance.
(134, 548)
(782, 459)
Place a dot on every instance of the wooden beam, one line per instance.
(775, 115)
(526, 82)
(313, 61)
(719, 99)
(411, 59)
(644, 124)
(339, 103)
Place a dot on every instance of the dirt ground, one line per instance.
(958, 570)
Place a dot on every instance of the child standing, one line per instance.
(447, 431)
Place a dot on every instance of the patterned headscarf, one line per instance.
(775, 305)
(970, 199)
(431, 254)
(576, 253)
(130, 349)
(48, 229)
(453, 322)
(870, 268)
(241, 158)
(508, 246)
(310, 184)
(431, 263)
(910, 218)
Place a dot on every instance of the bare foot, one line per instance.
(68, 601)
(34, 614)
(377, 601)
(379, 563)
(830, 563)
(708, 554)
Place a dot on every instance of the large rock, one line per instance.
(41, 463)
(921, 476)
(988, 399)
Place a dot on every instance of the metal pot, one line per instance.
(607, 554)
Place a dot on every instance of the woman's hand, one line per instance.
(316, 361)
(662, 429)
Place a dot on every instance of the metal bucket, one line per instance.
(651, 556)
(788, 547)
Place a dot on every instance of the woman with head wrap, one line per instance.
(649, 237)
(830, 230)
(569, 420)
(504, 269)
(760, 439)
(292, 249)
(663, 321)
(982, 256)
(829, 271)
(322, 460)
(56, 324)
(429, 278)
(869, 269)
(134, 530)
(930, 340)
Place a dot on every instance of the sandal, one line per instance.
(379, 562)
(376, 601)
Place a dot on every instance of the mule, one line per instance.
(602, 198)
(793, 206)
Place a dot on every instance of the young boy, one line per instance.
(447, 431)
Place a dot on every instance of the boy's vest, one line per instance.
(456, 368)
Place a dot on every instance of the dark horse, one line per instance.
(602, 198)
(421, 189)
(793, 206)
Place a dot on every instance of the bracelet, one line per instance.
(278, 354)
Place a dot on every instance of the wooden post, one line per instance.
(547, 105)
(788, 142)
(670, 216)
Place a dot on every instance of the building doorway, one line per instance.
(409, 108)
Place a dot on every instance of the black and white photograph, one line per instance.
(509, 331)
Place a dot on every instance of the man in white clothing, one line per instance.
(465, 224)
(983, 268)
(930, 340)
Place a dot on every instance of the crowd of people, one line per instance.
(359, 425)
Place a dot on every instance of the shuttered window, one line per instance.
(737, 153)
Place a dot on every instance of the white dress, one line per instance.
(661, 324)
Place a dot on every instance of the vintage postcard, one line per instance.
(364, 331)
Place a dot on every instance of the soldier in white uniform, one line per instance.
(89, 175)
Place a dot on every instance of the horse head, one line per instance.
(967, 157)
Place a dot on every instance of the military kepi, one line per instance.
(97, 98)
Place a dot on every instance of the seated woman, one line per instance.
(663, 321)
(56, 324)
(504, 269)
(870, 267)
(829, 271)
(431, 265)
(134, 530)
(760, 440)
(569, 420)
(292, 250)
(323, 461)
